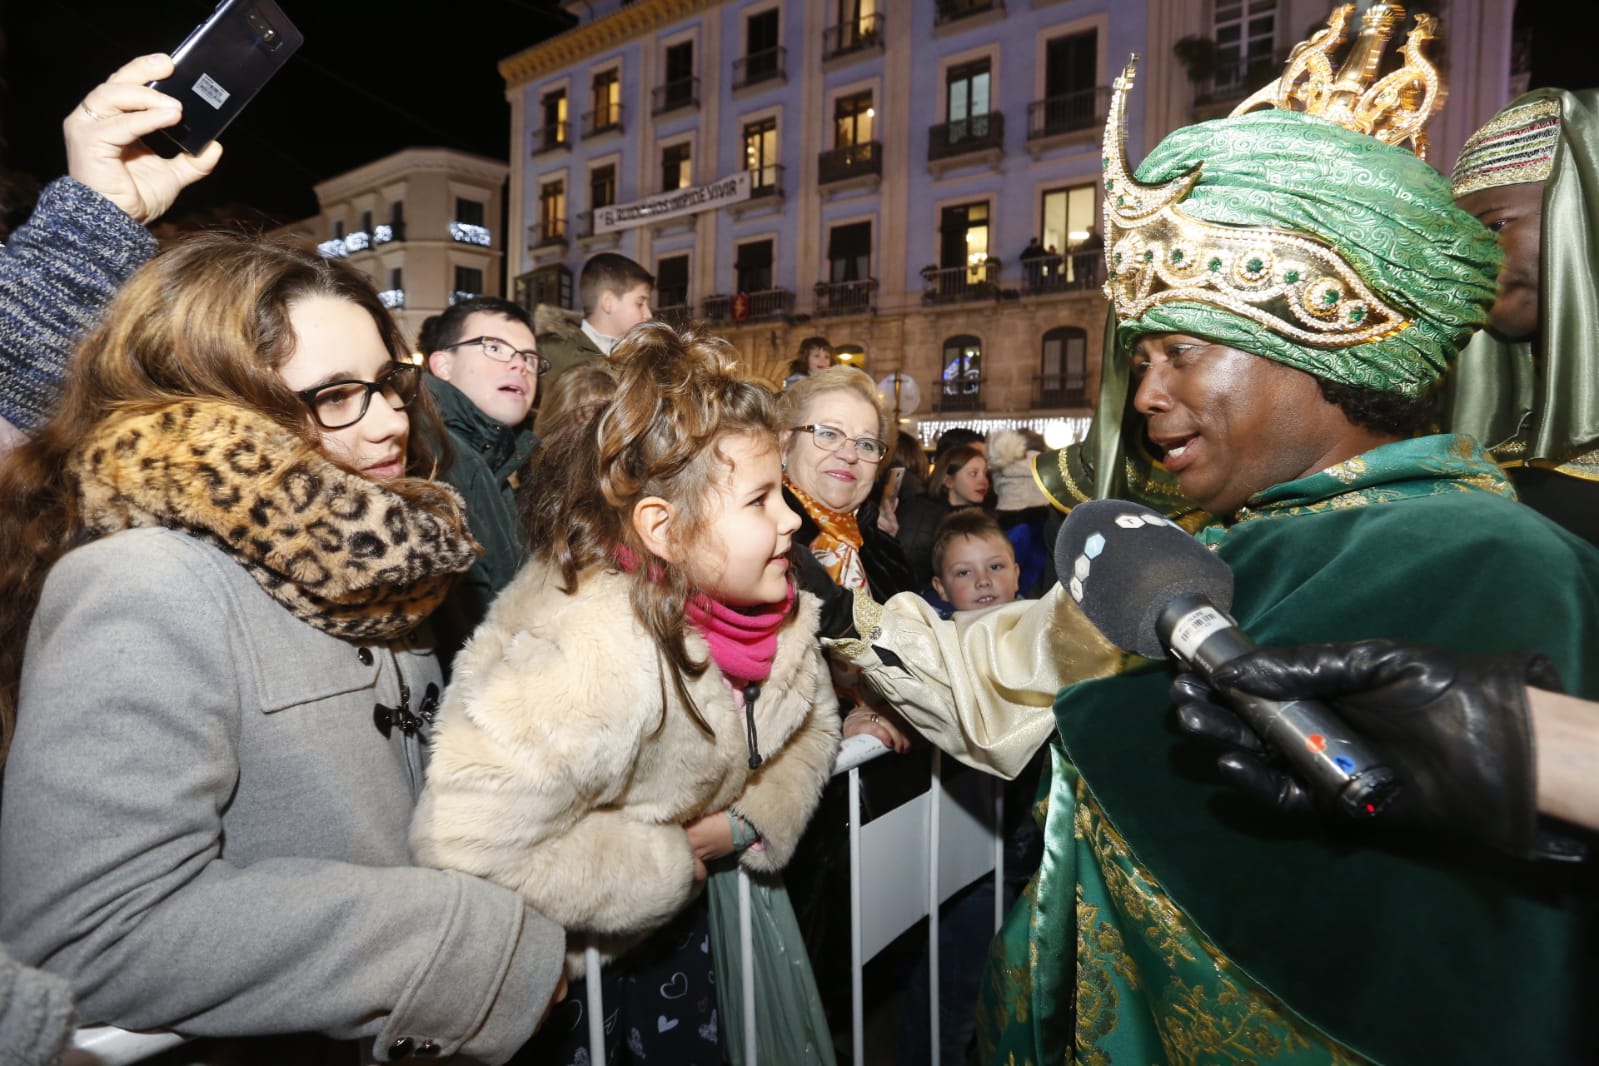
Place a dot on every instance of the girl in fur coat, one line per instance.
(646, 698)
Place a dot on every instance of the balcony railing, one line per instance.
(1062, 390)
(1235, 77)
(749, 306)
(684, 92)
(550, 284)
(954, 10)
(550, 138)
(947, 285)
(766, 181)
(961, 390)
(765, 65)
(385, 232)
(677, 314)
(602, 120)
(850, 161)
(845, 297)
(583, 225)
(392, 298)
(856, 36)
(977, 133)
(548, 233)
(1063, 273)
(1081, 110)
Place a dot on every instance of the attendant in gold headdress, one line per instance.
(1528, 386)
(1288, 287)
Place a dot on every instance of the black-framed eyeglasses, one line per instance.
(344, 403)
(831, 440)
(504, 351)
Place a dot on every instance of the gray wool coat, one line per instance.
(204, 830)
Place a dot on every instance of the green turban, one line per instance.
(1388, 214)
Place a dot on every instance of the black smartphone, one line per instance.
(222, 65)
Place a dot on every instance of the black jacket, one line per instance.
(887, 572)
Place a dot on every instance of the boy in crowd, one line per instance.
(974, 568)
(616, 297)
(974, 565)
(483, 372)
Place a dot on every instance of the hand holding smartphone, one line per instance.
(221, 66)
(891, 485)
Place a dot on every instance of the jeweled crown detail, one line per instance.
(1291, 283)
(1394, 109)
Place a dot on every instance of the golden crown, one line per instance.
(1292, 283)
(1393, 109)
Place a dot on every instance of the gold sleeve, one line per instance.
(980, 686)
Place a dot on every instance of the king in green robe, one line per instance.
(1171, 924)
(1172, 921)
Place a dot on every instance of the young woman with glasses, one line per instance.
(223, 548)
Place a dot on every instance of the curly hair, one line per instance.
(209, 319)
(1392, 413)
(674, 398)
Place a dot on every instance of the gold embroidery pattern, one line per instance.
(1100, 956)
(1349, 471)
(868, 615)
(1010, 985)
(1585, 466)
(1231, 1021)
(1164, 927)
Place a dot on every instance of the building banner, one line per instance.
(673, 204)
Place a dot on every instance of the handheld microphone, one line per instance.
(1149, 586)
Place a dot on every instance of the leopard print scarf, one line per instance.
(345, 554)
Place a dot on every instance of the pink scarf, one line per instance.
(743, 640)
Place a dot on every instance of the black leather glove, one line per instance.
(1455, 728)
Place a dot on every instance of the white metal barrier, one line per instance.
(935, 832)
(105, 1045)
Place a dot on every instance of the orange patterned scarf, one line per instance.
(838, 546)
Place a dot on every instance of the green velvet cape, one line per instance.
(1172, 922)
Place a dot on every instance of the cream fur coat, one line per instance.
(554, 771)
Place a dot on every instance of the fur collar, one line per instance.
(350, 556)
(557, 322)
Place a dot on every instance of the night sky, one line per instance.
(371, 78)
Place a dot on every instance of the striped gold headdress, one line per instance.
(1517, 146)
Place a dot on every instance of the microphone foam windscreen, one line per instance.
(1123, 563)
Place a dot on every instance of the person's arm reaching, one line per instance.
(978, 686)
(59, 270)
(1566, 756)
(105, 150)
(1482, 743)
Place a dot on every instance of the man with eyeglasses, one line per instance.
(484, 374)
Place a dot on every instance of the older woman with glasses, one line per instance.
(223, 549)
(835, 445)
